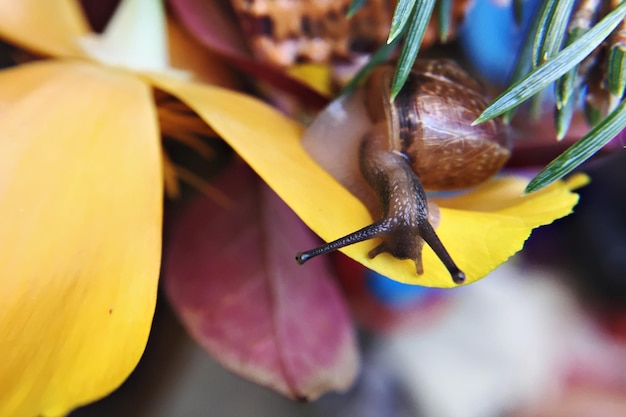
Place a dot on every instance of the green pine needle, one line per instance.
(566, 85)
(549, 71)
(543, 19)
(555, 30)
(564, 115)
(444, 11)
(616, 73)
(401, 18)
(413, 38)
(355, 5)
(524, 60)
(582, 150)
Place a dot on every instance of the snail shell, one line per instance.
(387, 152)
(430, 121)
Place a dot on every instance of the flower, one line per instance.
(81, 187)
(81, 203)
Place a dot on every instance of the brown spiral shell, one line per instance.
(430, 121)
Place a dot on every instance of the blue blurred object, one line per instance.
(395, 294)
(491, 38)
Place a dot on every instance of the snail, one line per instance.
(391, 151)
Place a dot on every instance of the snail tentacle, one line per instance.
(361, 235)
(428, 234)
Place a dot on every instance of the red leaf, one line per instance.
(231, 276)
(214, 25)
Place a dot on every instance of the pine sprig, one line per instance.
(551, 70)
(554, 68)
(552, 52)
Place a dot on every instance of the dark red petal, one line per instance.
(231, 276)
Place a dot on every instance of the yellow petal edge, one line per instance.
(48, 27)
(80, 234)
(478, 240)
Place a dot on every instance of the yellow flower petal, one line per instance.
(506, 196)
(539, 208)
(270, 143)
(80, 235)
(317, 76)
(20, 81)
(48, 27)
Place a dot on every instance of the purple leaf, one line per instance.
(231, 276)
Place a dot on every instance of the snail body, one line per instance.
(422, 139)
